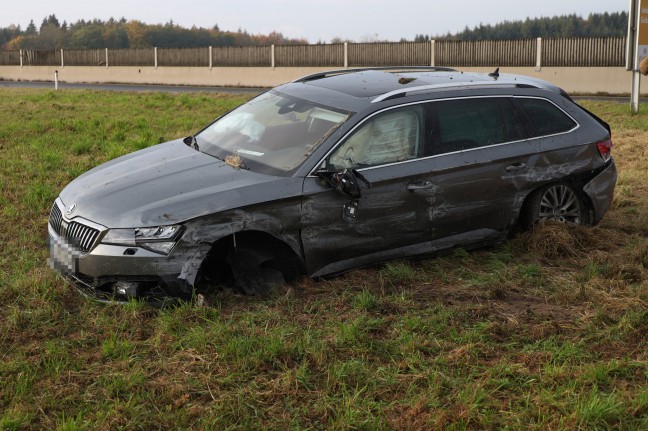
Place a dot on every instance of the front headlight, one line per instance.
(159, 239)
(158, 233)
(120, 237)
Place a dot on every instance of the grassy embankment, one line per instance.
(546, 331)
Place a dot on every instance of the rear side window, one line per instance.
(462, 124)
(544, 117)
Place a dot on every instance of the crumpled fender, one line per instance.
(279, 219)
(191, 267)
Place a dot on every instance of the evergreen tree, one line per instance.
(97, 34)
(31, 28)
(596, 25)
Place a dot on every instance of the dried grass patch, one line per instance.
(552, 240)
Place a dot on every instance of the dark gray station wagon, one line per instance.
(331, 172)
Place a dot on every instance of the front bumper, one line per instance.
(111, 272)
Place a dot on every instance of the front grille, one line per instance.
(74, 232)
(56, 218)
(80, 235)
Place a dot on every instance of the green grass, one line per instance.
(545, 331)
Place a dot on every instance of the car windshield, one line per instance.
(272, 134)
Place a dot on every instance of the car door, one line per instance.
(341, 232)
(478, 145)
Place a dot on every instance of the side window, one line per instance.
(390, 137)
(468, 123)
(514, 123)
(545, 117)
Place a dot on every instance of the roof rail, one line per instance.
(454, 86)
(320, 75)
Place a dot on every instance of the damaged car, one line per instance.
(331, 172)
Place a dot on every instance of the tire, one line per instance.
(559, 202)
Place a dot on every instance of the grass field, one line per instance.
(546, 331)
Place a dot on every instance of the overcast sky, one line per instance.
(314, 20)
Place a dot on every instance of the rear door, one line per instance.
(478, 146)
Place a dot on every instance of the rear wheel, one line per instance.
(559, 202)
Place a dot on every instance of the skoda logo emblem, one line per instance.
(70, 209)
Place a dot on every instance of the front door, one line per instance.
(340, 232)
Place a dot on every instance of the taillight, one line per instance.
(605, 149)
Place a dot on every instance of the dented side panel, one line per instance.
(550, 166)
(479, 191)
(409, 203)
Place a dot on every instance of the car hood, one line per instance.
(168, 183)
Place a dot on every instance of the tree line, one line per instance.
(116, 34)
(595, 25)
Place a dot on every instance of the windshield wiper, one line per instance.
(190, 141)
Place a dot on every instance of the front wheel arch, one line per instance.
(250, 262)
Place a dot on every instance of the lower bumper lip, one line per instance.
(122, 292)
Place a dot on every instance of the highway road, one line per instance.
(131, 87)
(204, 89)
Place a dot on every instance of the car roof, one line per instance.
(378, 84)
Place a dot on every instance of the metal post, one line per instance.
(272, 56)
(633, 34)
(211, 58)
(346, 55)
(630, 40)
(62, 62)
(636, 88)
(56, 80)
(538, 67)
(155, 55)
(21, 58)
(432, 53)
(106, 58)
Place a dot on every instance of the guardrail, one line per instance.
(603, 52)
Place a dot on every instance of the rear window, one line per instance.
(545, 118)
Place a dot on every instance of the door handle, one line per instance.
(516, 167)
(425, 185)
